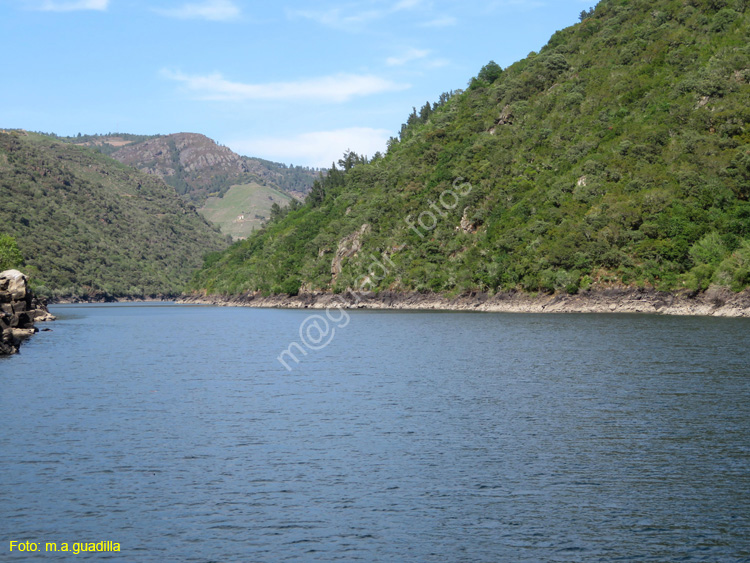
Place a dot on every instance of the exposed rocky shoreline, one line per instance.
(716, 301)
(19, 310)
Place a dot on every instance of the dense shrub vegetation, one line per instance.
(10, 256)
(618, 154)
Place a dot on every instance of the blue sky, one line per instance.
(294, 82)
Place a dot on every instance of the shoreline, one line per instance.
(109, 299)
(714, 302)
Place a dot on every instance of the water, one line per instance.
(176, 432)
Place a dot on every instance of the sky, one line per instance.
(293, 82)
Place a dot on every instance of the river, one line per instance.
(185, 433)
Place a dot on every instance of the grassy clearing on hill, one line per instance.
(243, 209)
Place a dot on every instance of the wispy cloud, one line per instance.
(444, 21)
(319, 149)
(350, 18)
(407, 5)
(336, 88)
(515, 4)
(337, 18)
(70, 6)
(407, 57)
(212, 10)
(438, 63)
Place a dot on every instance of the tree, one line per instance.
(425, 112)
(351, 159)
(586, 14)
(317, 193)
(10, 256)
(413, 118)
(490, 72)
(276, 211)
(739, 171)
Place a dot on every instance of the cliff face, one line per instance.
(19, 310)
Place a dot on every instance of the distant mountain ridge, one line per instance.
(198, 167)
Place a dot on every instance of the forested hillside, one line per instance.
(87, 225)
(617, 155)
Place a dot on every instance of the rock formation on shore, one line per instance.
(716, 301)
(19, 310)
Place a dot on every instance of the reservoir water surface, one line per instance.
(412, 436)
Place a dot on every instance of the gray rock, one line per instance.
(15, 282)
(19, 310)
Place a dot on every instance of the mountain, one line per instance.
(617, 156)
(197, 166)
(233, 192)
(88, 225)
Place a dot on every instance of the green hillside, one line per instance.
(243, 208)
(617, 155)
(87, 225)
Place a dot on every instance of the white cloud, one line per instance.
(407, 57)
(336, 88)
(519, 4)
(337, 18)
(71, 6)
(445, 21)
(350, 19)
(406, 5)
(438, 63)
(212, 10)
(319, 149)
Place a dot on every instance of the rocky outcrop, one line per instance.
(193, 162)
(348, 246)
(182, 153)
(19, 310)
(467, 226)
(506, 118)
